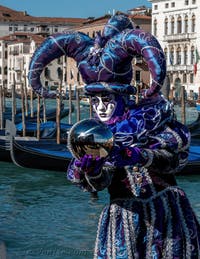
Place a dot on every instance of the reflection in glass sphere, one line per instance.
(90, 137)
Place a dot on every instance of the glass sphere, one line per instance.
(91, 137)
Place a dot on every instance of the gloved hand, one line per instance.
(87, 164)
(125, 156)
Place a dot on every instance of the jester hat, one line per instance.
(105, 63)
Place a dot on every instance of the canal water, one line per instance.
(42, 215)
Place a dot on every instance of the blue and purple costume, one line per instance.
(149, 216)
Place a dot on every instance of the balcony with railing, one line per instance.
(177, 68)
(14, 52)
(180, 37)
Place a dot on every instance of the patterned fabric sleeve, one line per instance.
(168, 151)
(90, 182)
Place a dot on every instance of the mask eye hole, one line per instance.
(94, 100)
(107, 99)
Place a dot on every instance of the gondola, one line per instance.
(50, 115)
(47, 129)
(40, 154)
(4, 147)
(195, 127)
(33, 153)
(193, 165)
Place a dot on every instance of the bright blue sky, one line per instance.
(72, 8)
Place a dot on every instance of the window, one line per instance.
(193, 23)
(137, 76)
(78, 77)
(178, 56)
(32, 29)
(192, 56)
(10, 28)
(186, 24)
(171, 56)
(191, 78)
(186, 2)
(166, 5)
(193, 1)
(165, 52)
(173, 4)
(179, 25)
(172, 25)
(47, 72)
(185, 54)
(5, 70)
(166, 26)
(155, 27)
(155, 7)
(184, 78)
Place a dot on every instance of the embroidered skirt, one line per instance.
(163, 226)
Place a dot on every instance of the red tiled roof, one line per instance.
(15, 37)
(7, 14)
(140, 16)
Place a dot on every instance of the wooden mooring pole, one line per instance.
(183, 114)
(1, 107)
(13, 100)
(58, 109)
(38, 118)
(23, 110)
(78, 116)
(70, 104)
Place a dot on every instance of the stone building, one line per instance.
(175, 24)
(12, 21)
(20, 34)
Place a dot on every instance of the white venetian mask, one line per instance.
(104, 106)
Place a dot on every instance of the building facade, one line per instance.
(12, 21)
(20, 35)
(175, 24)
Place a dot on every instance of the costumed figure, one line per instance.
(149, 216)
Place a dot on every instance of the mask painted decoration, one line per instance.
(90, 137)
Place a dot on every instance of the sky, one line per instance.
(72, 8)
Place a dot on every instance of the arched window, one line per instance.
(184, 78)
(185, 55)
(178, 56)
(186, 24)
(78, 77)
(60, 73)
(5, 70)
(179, 25)
(155, 27)
(172, 25)
(171, 56)
(192, 78)
(47, 72)
(192, 55)
(165, 52)
(166, 26)
(193, 27)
